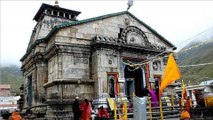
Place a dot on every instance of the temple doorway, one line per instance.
(134, 78)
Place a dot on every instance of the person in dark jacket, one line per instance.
(145, 91)
(76, 109)
(157, 88)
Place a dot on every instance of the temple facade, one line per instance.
(110, 54)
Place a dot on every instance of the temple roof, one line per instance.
(63, 25)
(47, 6)
(104, 17)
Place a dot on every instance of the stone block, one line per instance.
(79, 35)
(73, 30)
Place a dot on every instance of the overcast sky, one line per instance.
(177, 21)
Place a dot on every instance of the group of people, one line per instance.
(17, 116)
(83, 111)
(153, 94)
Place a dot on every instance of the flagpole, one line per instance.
(161, 110)
(160, 102)
(171, 74)
(183, 94)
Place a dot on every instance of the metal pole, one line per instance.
(115, 111)
(150, 108)
(172, 101)
(161, 111)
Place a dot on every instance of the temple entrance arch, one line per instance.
(135, 80)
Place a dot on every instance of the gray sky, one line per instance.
(177, 21)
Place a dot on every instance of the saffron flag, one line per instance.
(171, 74)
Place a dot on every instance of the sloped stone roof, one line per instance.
(68, 24)
(104, 17)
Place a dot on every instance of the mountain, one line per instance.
(199, 51)
(11, 75)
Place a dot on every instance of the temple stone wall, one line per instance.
(40, 48)
(75, 66)
(53, 92)
(42, 78)
(47, 24)
(103, 62)
(53, 68)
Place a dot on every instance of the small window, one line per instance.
(48, 11)
(66, 15)
(61, 14)
(72, 16)
(119, 34)
(55, 13)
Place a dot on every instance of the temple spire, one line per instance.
(56, 3)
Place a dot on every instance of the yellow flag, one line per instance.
(171, 74)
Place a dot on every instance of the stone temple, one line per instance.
(67, 57)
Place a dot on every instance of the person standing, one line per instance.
(85, 108)
(154, 98)
(188, 104)
(103, 114)
(157, 88)
(76, 109)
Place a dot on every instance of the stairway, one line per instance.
(169, 112)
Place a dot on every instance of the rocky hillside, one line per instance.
(199, 51)
(13, 76)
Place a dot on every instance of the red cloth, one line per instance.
(188, 105)
(86, 111)
(15, 116)
(103, 113)
(116, 88)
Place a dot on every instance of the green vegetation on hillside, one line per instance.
(13, 76)
(197, 55)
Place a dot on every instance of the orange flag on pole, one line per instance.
(171, 74)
